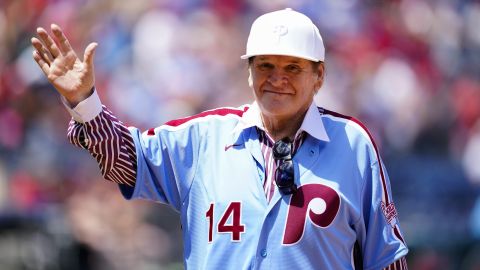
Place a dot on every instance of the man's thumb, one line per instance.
(90, 53)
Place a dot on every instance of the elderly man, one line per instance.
(277, 184)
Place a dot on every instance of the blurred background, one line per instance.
(410, 70)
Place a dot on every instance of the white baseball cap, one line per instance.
(285, 32)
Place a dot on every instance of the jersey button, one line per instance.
(263, 253)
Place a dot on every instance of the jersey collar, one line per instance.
(312, 123)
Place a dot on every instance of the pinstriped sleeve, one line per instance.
(400, 264)
(109, 141)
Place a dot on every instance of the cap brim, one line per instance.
(246, 56)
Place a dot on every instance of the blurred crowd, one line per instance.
(409, 69)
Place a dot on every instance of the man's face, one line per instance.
(284, 86)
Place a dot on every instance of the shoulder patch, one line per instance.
(390, 213)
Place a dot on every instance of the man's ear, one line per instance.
(320, 76)
(250, 79)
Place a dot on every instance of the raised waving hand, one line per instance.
(72, 77)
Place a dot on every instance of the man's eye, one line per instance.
(265, 66)
(293, 68)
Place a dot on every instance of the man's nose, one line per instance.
(278, 78)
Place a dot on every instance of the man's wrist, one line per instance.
(75, 100)
(86, 109)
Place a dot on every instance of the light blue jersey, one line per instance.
(210, 168)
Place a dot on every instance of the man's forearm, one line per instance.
(109, 141)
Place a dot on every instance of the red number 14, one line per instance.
(234, 210)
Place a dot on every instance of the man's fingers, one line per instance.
(47, 57)
(63, 43)
(48, 41)
(90, 53)
(41, 63)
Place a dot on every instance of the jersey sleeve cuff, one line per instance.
(86, 110)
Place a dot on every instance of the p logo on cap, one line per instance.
(280, 30)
